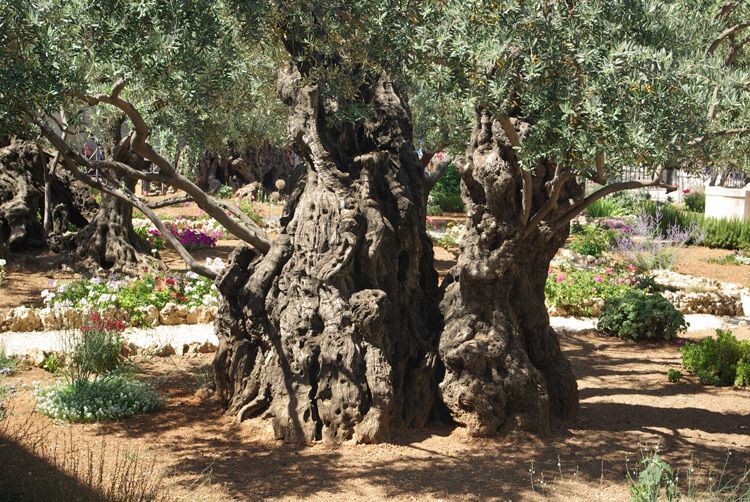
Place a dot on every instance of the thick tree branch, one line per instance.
(582, 204)
(432, 177)
(129, 198)
(726, 34)
(246, 231)
(526, 190)
(49, 174)
(556, 186)
(172, 201)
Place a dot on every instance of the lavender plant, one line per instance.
(648, 247)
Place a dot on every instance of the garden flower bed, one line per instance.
(193, 234)
(146, 301)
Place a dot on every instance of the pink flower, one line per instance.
(608, 270)
(549, 271)
(621, 280)
(597, 278)
(560, 278)
(632, 267)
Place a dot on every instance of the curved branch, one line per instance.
(726, 34)
(131, 199)
(248, 231)
(582, 204)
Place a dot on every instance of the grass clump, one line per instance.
(637, 315)
(719, 361)
(674, 376)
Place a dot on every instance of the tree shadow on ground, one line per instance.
(27, 477)
(441, 462)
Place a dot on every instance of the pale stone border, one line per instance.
(26, 319)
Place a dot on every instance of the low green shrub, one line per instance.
(606, 208)
(433, 210)
(720, 361)
(711, 232)
(637, 315)
(674, 376)
(695, 201)
(656, 476)
(224, 191)
(133, 294)
(725, 233)
(592, 240)
(253, 211)
(112, 397)
(52, 363)
(96, 349)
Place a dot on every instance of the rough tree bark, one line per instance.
(263, 165)
(502, 359)
(22, 196)
(109, 240)
(332, 334)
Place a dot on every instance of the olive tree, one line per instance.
(567, 94)
(132, 74)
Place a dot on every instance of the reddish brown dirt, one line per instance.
(627, 407)
(693, 260)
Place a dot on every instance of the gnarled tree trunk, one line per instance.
(109, 240)
(22, 196)
(262, 166)
(332, 334)
(502, 359)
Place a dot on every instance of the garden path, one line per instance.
(156, 338)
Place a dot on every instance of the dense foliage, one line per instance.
(446, 194)
(723, 360)
(592, 240)
(637, 315)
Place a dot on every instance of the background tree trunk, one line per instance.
(332, 334)
(262, 166)
(501, 356)
(109, 240)
(22, 196)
